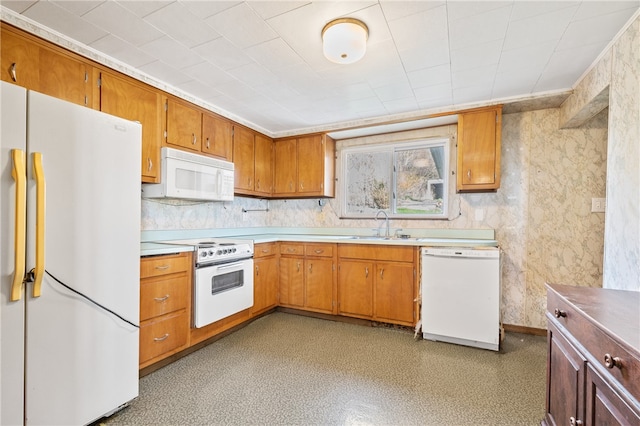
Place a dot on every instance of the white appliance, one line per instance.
(69, 209)
(192, 177)
(223, 282)
(461, 296)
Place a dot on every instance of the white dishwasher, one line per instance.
(461, 296)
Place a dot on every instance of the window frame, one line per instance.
(394, 148)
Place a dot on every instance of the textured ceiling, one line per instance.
(262, 60)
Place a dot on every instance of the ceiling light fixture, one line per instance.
(344, 40)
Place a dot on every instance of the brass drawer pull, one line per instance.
(318, 251)
(612, 361)
(160, 339)
(163, 267)
(559, 313)
(161, 299)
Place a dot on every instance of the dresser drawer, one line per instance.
(322, 250)
(163, 335)
(601, 347)
(292, 249)
(265, 249)
(161, 295)
(164, 265)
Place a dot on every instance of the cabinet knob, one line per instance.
(14, 76)
(612, 361)
(575, 422)
(559, 313)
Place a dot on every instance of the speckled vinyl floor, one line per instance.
(291, 370)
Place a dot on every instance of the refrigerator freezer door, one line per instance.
(13, 128)
(82, 361)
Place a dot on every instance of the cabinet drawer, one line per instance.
(597, 343)
(376, 252)
(163, 335)
(162, 295)
(164, 265)
(321, 250)
(292, 249)
(265, 249)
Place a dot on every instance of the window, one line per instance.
(407, 180)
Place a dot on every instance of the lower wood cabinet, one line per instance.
(165, 306)
(593, 361)
(377, 282)
(265, 278)
(307, 276)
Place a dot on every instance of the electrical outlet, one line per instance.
(598, 205)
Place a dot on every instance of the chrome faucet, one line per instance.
(386, 220)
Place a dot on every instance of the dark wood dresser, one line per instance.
(593, 358)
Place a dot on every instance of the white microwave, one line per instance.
(192, 177)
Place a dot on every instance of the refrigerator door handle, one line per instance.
(19, 174)
(38, 173)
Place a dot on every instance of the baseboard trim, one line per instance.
(524, 330)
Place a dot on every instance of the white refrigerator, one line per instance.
(69, 209)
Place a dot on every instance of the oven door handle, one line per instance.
(231, 265)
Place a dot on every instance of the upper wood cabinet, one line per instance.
(217, 136)
(125, 97)
(32, 64)
(189, 127)
(253, 162)
(304, 167)
(479, 133)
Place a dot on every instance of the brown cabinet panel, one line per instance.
(355, 288)
(163, 335)
(217, 136)
(394, 293)
(20, 59)
(292, 281)
(162, 295)
(131, 100)
(479, 133)
(311, 170)
(184, 125)
(265, 283)
(605, 405)
(243, 159)
(64, 77)
(285, 166)
(318, 285)
(292, 249)
(263, 165)
(164, 265)
(320, 250)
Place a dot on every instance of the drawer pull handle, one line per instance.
(14, 76)
(160, 339)
(161, 299)
(559, 313)
(265, 250)
(319, 251)
(612, 361)
(162, 267)
(575, 422)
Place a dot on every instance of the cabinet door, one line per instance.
(566, 376)
(319, 285)
(64, 77)
(285, 166)
(265, 284)
(184, 125)
(133, 101)
(605, 406)
(20, 60)
(243, 159)
(217, 136)
(355, 289)
(311, 165)
(479, 150)
(263, 165)
(292, 281)
(394, 293)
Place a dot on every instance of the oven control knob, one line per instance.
(210, 252)
(225, 251)
(219, 252)
(233, 250)
(203, 254)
